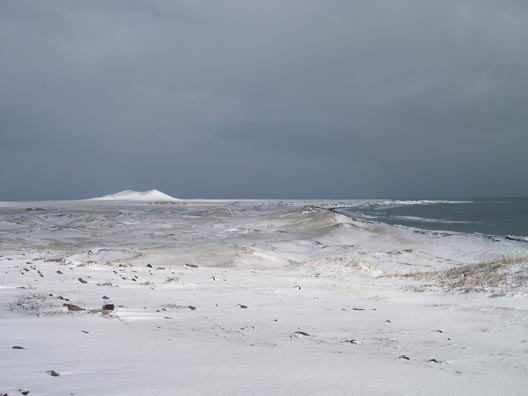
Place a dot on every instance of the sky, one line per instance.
(264, 99)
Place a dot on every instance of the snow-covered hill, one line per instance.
(130, 195)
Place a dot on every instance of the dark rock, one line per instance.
(108, 307)
(53, 373)
(82, 280)
(242, 306)
(149, 265)
(404, 357)
(73, 307)
(191, 265)
(17, 347)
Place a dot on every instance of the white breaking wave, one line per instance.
(144, 196)
(417, 202)
(428, 220)
(392, 203)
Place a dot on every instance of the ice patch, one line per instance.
(517, 238)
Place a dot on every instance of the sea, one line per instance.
(500, 217)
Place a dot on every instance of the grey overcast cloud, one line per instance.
(264, 99)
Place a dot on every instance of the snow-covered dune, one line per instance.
(130, 195)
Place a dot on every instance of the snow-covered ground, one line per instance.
(253, 298)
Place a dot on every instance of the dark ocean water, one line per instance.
(492, 217)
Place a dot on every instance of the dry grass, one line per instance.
(508, 274)
(172, 279)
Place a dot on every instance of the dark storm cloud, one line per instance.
(263, 99)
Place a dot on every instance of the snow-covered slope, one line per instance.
(130, 195)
